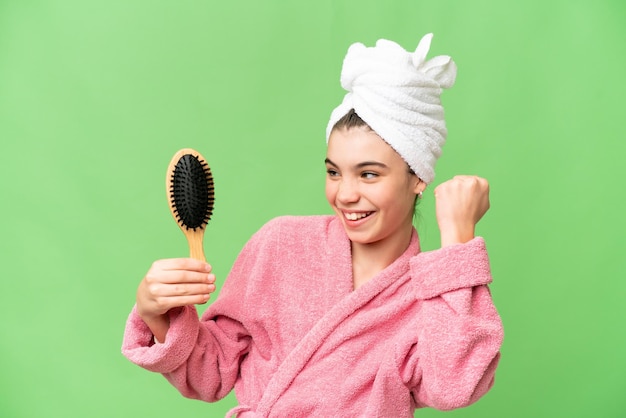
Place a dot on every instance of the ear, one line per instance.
(418, 185)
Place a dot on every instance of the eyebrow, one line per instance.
(360, 165)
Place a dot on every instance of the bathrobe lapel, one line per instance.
(350, 303)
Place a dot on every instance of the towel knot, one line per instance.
(397, 94)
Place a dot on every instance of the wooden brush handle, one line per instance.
(194, 238)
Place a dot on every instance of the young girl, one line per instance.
(343, 315)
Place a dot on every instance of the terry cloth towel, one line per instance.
(397, 94)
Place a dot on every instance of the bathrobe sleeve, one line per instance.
(453, 362)
(201, 358)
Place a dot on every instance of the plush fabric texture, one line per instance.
(293, 338)
(398, 94)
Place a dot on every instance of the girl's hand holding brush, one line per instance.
(172, 283)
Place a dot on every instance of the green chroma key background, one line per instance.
(95, 98)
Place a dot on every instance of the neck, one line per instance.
(370, 259)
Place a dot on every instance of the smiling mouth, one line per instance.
(354, 216)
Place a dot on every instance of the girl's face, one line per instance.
(369, 187)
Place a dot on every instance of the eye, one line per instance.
(332, 172)
(369, 175)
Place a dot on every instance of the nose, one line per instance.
(348, 191)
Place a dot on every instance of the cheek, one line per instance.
(330, 192)
(400, 199)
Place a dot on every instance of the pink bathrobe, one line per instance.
(292, 337)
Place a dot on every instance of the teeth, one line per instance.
(355, 216)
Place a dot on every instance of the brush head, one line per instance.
(190, 189)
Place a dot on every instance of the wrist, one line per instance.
(158, 324)
(454, 236)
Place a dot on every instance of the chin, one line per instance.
(361, 238)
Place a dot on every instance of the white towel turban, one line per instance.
(397, 94)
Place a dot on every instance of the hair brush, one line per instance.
(190, 193)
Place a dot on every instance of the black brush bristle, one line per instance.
(192, 192)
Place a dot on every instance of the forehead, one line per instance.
(355, 145)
